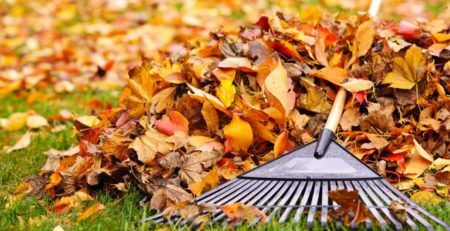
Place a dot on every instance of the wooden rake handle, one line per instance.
(338, 106)
(331, 125)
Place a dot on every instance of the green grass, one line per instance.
(121, 213)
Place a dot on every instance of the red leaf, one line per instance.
(408, 30)
(399, 158)
(175, 122)
(360, 96)
(227, 145)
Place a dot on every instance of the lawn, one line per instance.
(121, 213)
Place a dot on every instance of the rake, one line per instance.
(295, 186)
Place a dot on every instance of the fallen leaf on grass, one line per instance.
(90, 211)
(349, 202)
(241, 212)
(36, 121)
(22, 143)
(15, 121)
(64, 204)
(399, 211)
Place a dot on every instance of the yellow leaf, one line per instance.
(89, 121)
(310, 13)
(440, 163)
(408, 71)
(226, 92)
(16, 121)
(240, 133)
(423, 197)
(241, 212)
(315, 99)
(90, 211)
(441, 37)
(202, 96)
(278, 85)
(141, 85)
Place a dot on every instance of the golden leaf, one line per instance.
(407, 71)
(226, 92)
(210, 116)
(240, 133)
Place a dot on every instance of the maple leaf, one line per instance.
(141, 86)
(315, 99)
(193, 164)
(408, 71)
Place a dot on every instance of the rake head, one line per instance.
(294, 188)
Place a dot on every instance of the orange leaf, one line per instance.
(281, 144)
(90, 211)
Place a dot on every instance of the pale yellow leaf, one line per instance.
(36, 121)
(22, 143)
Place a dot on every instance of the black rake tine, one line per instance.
(303, 202)
(293, 201)
(397, 224)
(314, 203)
(367, 201)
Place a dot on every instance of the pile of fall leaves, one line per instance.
(220, 107)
